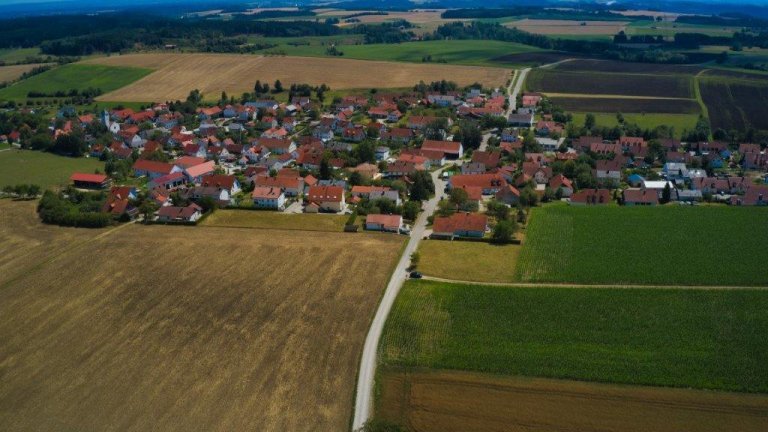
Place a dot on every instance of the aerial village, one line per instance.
(379, 156)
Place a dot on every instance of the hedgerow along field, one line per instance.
(177, 74)
(705, 339)
(669, 245)
(183, 328)
(75, 77)
(736, 103)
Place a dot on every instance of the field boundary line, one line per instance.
(611, 96)
(590, 286)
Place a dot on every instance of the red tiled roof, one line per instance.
(152, 166)
(460, 222)
(387, 221)
(325, 193)
(88, 178)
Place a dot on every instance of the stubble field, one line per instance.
(568, 27)
(178, 328)
(177, 74)
(10, 73)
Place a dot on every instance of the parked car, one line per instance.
(415, 275)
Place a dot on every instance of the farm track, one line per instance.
(591, 286)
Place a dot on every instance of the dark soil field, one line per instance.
(455, 401)
(671, 106)
(589, 65)
(735, 104)
(533, 58)
(590, 83)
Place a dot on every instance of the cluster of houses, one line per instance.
(271, 155)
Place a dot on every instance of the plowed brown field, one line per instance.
(447, 401)
(182, 328)
(177, 74)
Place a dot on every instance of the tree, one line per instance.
(355, 179)
(33, 191)
(411, 210)
(469, 134)
(666, 194)
(458, 197)
(503, 232)
(497, 210)
(147, 209)
(589, 121)
(325, 169)
(528, 197)
(278, 87)
(422, 187)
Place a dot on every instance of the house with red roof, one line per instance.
(173, 214)
(586, 197)
(325, 199)
(563, 183)
(168, 182)
(291, 186)
(90, 181)
(118, 202)
(381, 222)
(489, 183)
(640, 197)
(509, 195)
(221, 181)
(151, 169)
(451, 149)
(195, 173)
(472, 225)
(268, 198)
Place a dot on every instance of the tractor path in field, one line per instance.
(587, 286)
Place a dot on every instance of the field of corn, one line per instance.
(662, 245)
(707, 339)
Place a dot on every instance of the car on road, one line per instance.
(415, 275)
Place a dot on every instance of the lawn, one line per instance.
(276, 220)
(44, 169)
(670, 245)
(680, 122)
(708, 339)
(75, 76)
(469, 261)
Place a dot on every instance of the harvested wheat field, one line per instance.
(446, 401)
(189, 328)
(177, 74)
(568, 27)
(13, 72)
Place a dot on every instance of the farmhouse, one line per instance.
(90, 181)
(380, 222)
(471, 225)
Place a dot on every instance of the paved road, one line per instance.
(484, 142)
(518, 87)
(364, 396)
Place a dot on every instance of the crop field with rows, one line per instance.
(555, 81)
(662, 245)
(735, 103)
(663, 337)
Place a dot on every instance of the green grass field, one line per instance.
(468, 261)
(669, 29)
(44, 169)
(466, 52)
(19, 54)
(276, 220)
(680, 122)
(75, 76)
(668, 245)
(709, 339)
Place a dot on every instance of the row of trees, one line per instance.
(22, 191)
